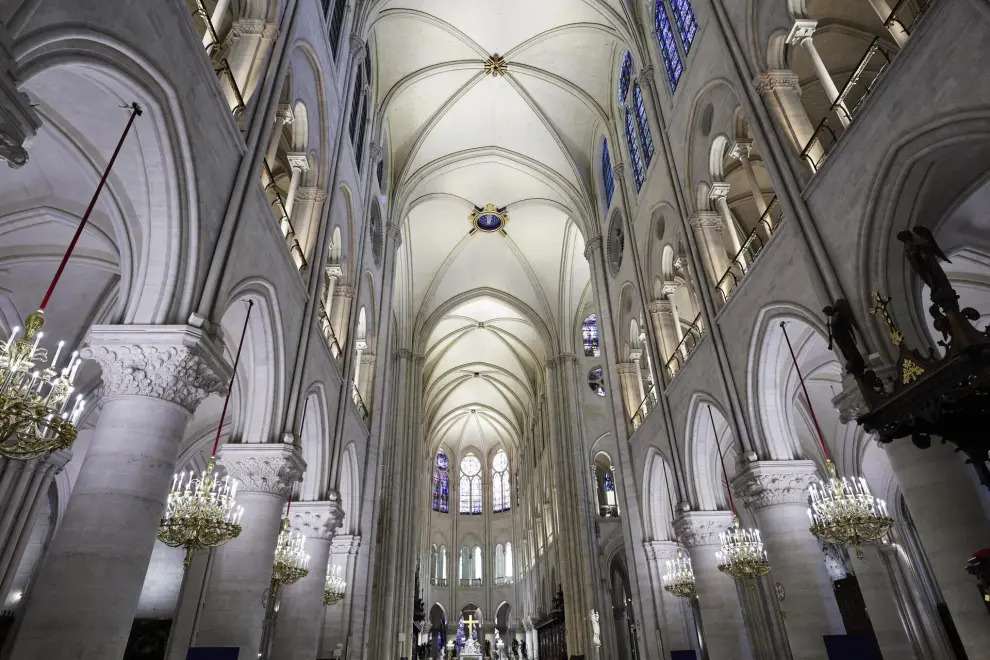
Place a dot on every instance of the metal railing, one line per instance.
(284, 224)
(470, 582)
(503, 581)
(750, 250)
(608, 511)
(896, 16)
(220, 64)
(438, 582)
(359, 402)
(328, 332)
(687, 345)
(645, 408)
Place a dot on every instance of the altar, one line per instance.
(470, 650)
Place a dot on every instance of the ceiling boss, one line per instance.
(490, 218)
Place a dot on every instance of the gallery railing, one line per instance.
(687, 345)
(470, 582)
(750, 250)
(359, 402)
(284, 224)
(903, 16)
(328, 332)
(438, 582)
(503, 581)
(608, 511)
(220, 64)
(645, 408)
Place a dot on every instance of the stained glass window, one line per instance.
(634, 156)
(441, 484)
(645, 136)
(470, 502)
(625, 75)
(687, 24)
(501, 492)
(668, 46)
(336, 26)
(596, 381)
(590, 332)
(607, 176)
(609, 482)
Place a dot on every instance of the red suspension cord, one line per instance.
(230, 388)
(811, 408)
(135, 113)
(721, 457)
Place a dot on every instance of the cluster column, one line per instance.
(741, 151)
(879, 595)
(675, 629)
(83, 602)
(777, 492)
(300, 616)
(233, 609)
(664, 318)
(803, 34)
(724, 630)
(782, 91)
(708, 228)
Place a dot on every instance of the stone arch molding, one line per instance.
(161, 232)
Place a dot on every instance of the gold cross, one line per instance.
(470, 623)
(881, 305)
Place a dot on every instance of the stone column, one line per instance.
(628, 375)
(741, 151)
(776, 491)
(720, 195)
(782, 91)
(216, 18)
(300, 165)
(20, 504)
(878, 593)
(665, 324)
(671, 615)
(896, 29)
(83, 600)
(708, 228)
(233, 609)
(283, 116)
(946, 511)
(721, 613)
(803, 34)
(307, 214)
(340, 313)
(300, 616)
(343, 553)
(367, 379)
(246, 47)
(18, 121)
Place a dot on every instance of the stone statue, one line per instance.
(596, 631)
(924, 256)
(842, 334)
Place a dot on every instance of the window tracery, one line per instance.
(625, 76)
(441, 483)
(607, 177)
(634, 156)
(501, 493)
(643, 120)
(589, 332)
(687, 23)
(668, 46)
(470, 485)
(596, 381)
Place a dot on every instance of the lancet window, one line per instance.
(607, 177)
(501, 490)
(645, 135)
(668, 45)
(441, 483)
(589, 332)
(470, 485)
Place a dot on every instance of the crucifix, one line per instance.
(470, 622)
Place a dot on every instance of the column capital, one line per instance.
(561, 360)
(618, 168)
(680, 263)
(803, 28)
(18, 120)
(311, 194)
(375, 151)
(394, 230)
(660, 307)
(343, 292)
(626, 368)
(778, 78)
(263, 468)
(636, 354)
(696, 528)
(720, 190)
(403, 354)
(317, 520)
(334, 270)
(298, 161)
(741, 149)
(664, 550)
(767, 483)
(345, 544)
(707, 220)
(284, 112)
(646, 74)
(592, 245)
(357, 45)
(176, 363)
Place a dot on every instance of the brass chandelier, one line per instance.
(843, 511)
(679, 578)
(202, 512)
(38, 414)
(291, 561)
(335, 587)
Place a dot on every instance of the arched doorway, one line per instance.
(438, 631)
(503, 640)
(623, 615)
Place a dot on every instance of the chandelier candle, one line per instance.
(335, 588)
(679, 578)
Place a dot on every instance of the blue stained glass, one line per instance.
(668, 46)
(625, 75)
(441, 485)
(607, 176)
(687, 23)
(589, 330)
(489, 222)
(609, 482)
(442, 462)
(637, 161)
(645, 136)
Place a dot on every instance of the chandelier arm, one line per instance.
(230, 387)
(811, 408)
(135, 113)
(721, 458)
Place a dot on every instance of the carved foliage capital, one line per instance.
(311, 194)
(767, 483)
(263, 468)
(707, 220)
(317, 520)
(345, 544)
(591, 246)
(696, 528)
(173, 363)
(660, 307)
(778, 79)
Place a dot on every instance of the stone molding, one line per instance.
(720, 190)
(662, 550)
(660, 307)
(179, 364)
(803, 28)
(617, 169)
(343, 291)
(345, 544)
(284, 112)
(697, 528)
(626, 368)
(19, 122)
(375, 151)
(253, 27)
(591, 246)
(562, 360)
(298, 161)
(778, 78)
(317, 520)
(740, 149)
(311, 194)
(263, 468)
(707, 220)
(334, 270)
(767, 483)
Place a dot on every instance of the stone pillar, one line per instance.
(246, 47)
(878, 593)
(777, 492)
(343, 553)
(340, 312)
(720, 195)
(782, 91)
(83, 600)
(20, 500)
(920, 618)
(366, 382)
(18, 121)
(721, 613)
(708, 228)
(671, 615)
(233, 609)
(803, 34)
(628, 375)
(665, 325)
(741, 151)
(946, 511)
(307, 214)
(283, 116)
(216, 18)
(896, 29)
(300, 616)
(300, 165)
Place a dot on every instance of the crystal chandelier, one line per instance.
(291, 561)
(202, 512)
(333, 591)
(846, 513)
(843, 511)
(679, 578)
(38, 414)
(742, 555)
